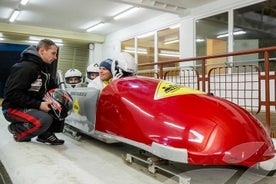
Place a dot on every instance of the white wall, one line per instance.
(186, 40)
(96, 54)
(112, 44)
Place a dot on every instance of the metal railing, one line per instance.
(240, 82)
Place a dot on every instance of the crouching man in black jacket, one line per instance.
(23, 103)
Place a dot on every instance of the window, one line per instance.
(145, 50)
(254, 27)
(211, 38)
(168, 44)
(128, 46)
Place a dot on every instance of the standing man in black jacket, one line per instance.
(25, 88)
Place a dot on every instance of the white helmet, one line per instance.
(92, 71)
(73, 78)
(123, 65)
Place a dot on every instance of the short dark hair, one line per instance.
(45, 43)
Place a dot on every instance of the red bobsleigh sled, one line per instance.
(172, 122)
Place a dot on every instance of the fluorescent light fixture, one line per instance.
(169, 53)
(139, 50)
(125, 13)
(223, 35)
(239, 32)
(14, 15)
(95, 26)
(146, 35)
(59, 44)
(171, 42)
(36, 42)
(200, 40)
(235, 33)
(33, 41)
(24, 2)
(175, 26)
(1, 36)
(36, 39)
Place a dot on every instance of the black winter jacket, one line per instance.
(28, 81)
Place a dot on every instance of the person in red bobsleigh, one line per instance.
(105, 75)
(123, 65)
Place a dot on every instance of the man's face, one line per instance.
(50, 55)
(105, 74)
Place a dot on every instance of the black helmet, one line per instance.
(62, 103)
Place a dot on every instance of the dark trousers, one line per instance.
(29, 123)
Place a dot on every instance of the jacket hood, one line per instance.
(30, 54)
(30, 50)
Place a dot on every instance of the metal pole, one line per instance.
(60, 80)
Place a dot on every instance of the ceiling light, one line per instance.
(200, 40)
(223, 35)
(175, 26)
(36, 39)
(33, 41)
(125, 13)
(169, 53)
(239, 32)
(95, 26)
(24, 2)
(139, 50)
(14, 15)
(36, 42)
(171, 41)
(146, 35)
(1, 36)
(235, 33)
